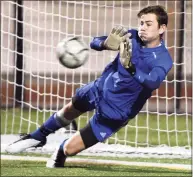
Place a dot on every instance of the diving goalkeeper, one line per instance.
(118, 95)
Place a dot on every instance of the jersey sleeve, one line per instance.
(96, 43)
(154, 78)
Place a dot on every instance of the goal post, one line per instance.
(164, 125)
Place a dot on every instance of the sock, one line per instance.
(61, 156)
(62, 146)
(50, 126)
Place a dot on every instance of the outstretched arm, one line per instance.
(98, 43)
(110, 42)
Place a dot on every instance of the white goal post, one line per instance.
(34, 84)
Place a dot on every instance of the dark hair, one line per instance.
(159, 11)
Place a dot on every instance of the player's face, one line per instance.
(149, 30)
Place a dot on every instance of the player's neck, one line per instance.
(152, 44)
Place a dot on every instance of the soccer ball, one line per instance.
(72, 52)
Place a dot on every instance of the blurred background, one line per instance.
(31, 76)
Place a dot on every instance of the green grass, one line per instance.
(29, 168)
(143, 130)
(129, 159)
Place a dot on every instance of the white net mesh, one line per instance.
(47, 86)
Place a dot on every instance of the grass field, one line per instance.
(178, 127)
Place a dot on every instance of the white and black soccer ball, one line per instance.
(72, 52)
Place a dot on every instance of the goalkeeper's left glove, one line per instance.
(116, 36)
(125, 50)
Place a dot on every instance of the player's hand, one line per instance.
(117, 35)
(126, 51)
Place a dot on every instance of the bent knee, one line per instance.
(74, 145)
(70, 112)
(70, 151)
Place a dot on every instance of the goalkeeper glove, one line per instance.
(126, 53)
(117, 35)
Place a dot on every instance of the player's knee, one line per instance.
(70, 112)
(74, 145)
(70, 150)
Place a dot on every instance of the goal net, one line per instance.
(34, 84)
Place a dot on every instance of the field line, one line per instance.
(101, 162)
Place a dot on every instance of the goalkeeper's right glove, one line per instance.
(117, 35)
(125, 55)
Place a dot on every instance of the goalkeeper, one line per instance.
(118, 95)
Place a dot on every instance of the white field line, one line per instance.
(98, 161)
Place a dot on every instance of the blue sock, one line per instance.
(50, 126)
(62, 145)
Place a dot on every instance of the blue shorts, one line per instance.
(103, 128)
(86, 99)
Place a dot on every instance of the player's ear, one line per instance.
(162, 29)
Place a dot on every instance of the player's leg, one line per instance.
(82, 101)
(60, 119)
(81, 140)
(37, 138)
(97, 130)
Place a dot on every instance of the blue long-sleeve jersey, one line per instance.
(123, 95)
